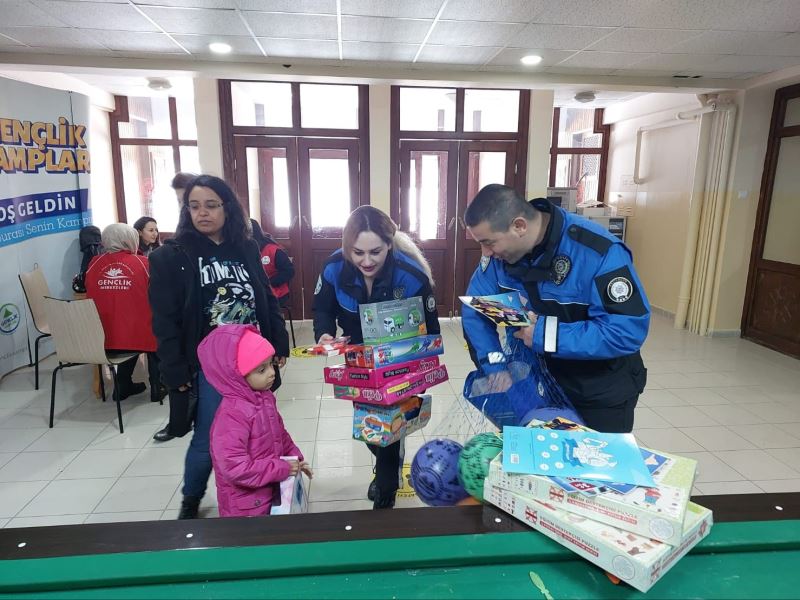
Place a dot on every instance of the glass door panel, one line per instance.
(427, 195)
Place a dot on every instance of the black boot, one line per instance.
(383, 499)
(163, 435)
(131, 389)
(189, 508)
(372, 485)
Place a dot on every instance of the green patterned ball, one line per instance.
(473, 464)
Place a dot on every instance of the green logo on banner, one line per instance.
(9, 318)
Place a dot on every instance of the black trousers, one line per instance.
(125, 371)
(388, 461)
(617, 418)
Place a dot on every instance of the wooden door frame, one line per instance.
(777, 131)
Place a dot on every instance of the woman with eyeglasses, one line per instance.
(209, 274)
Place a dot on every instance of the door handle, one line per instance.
(306, 222)
(294, 222)
(462, 223)
(451, 223)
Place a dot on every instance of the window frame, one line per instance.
(602, 151)
(122, 115)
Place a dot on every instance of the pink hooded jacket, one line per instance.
(248, 436)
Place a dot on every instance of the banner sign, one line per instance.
(44, 201)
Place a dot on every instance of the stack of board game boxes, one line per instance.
(634, 532)
(385, 377)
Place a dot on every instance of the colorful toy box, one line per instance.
(637, 560)
(392, 320)
(393, 391)
(384, 425)
(293, 495)
(381, 355)
(375, 378)
(656, 513)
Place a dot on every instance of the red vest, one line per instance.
(268, 262)
(117, 282)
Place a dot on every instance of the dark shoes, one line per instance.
(132, 389)
(159, 394)
(189, 508)
(371, 490)
(163, 435)
(382, 501)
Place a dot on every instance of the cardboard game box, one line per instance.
(393, 391)
(375, 378)
(656, 513)
(392, 320)
(637, 560)
(384, 425)
(293, 495)
(381, 355)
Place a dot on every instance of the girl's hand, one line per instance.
(325, 338)
(306, 468)
(294, 467)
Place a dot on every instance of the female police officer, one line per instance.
(376, 263)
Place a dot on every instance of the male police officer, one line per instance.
(589, 312)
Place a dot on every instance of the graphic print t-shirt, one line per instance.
(227, 291)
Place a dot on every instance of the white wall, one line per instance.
(540, 129)
(209, 136)
(657, 229)
(379, 146)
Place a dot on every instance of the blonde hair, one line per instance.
(369, 218)
(120, 237)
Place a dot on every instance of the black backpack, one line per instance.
(89, 240)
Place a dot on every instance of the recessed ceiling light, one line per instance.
(531, 59)
(219, 47)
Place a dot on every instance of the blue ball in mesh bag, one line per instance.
(434, 473)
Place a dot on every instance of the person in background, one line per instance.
(276, 262)
(117, 281)
(148, 234)
(209, 274)
(376, 263)
(179, 183)
(589, 311)
(248, 437)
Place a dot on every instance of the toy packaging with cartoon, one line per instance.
(392, 320)
(502, 309)
(637, 560)
(381, 355)
(384, 425)
(393, 391)
(375, 378)
(293, 497)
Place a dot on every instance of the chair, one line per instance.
(288, 310)
(79, 340)
(35, 288)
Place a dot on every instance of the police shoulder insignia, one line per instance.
(485, 260)
(265, 260)
(561, 267)
(399, 292)
(319, 285)
(619, 289)
(430, 303)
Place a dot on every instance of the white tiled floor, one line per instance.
(730, 404)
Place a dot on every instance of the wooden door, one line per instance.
(772, 302)
(479, 164)
(329, 190)
(266, 175)
(428, 176)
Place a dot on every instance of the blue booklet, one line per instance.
(501, 309)
(601, 457)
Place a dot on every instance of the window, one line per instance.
(579, 152)
(152, 138)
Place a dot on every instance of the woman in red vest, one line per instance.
(276, 262)
(117, 281)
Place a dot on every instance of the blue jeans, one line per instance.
(198, 457)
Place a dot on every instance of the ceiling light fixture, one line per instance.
(158, 83)
(585, 97)
(220, 47)
(531, 60)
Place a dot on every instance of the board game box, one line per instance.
(375, 378)
(381, 355)
(392, 320)
(636, 560)
(384, 425)
(393, 391)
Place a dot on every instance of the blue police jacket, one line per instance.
(340, 289)
(593, 312)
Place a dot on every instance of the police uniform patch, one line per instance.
(319, 285)
(540, 389)
(399, 293)
(485, 263)
(561, 267)
(430, 303)
(619, 289)
(265, 260)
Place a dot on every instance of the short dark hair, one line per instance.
(498, 205)
(182, 180)
(235, 229)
